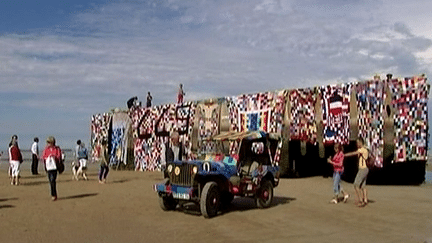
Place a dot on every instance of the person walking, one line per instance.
(103, 160)
(338, 169)
(180, 94)
(360, 179)
(81, 156)
(35, 156)
(149, 100)
(52, 156)
(15, 160)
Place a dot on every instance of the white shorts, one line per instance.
(15, 166)
(83, 163)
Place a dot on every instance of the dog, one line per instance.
(79, 168)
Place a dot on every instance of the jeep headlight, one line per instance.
(195, 170)
(177, 171)
(170, 168)
(206, 166)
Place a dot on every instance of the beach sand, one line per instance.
(126, 209)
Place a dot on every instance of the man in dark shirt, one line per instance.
(173, 150)
(149, 99)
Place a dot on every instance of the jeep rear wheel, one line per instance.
(167, 203)
(264, 196)
(210, 199)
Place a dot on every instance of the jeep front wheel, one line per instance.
(264, 196)
(209, 202)
(167, 203)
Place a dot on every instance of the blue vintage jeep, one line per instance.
(249, 171)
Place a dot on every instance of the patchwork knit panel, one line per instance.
(276, 120)
(370, 105)
(143, 126)
(335, 105)
(119, 138)
(152, 130)
(208, 126)
(253, 112)
(185, 115)
(302, 113)
(410, 97)
(100, 124)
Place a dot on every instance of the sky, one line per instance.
(63, 61)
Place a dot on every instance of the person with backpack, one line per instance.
(53, 161)
(338, 169)
(363, 170)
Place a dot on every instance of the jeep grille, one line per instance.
(185, 177)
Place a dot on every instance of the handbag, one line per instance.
(60, 166)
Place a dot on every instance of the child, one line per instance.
(360, 180)
(338, 168)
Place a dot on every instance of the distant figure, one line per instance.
(14, 138)
(15, 160)
(103, 160)
(132, 102)
(180, 95)
(338, 169)
(79, 167)
(149, 100)
(35, 156)
(360, 179)
(51, 156)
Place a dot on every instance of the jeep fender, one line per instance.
(269, 177)
(221, 181)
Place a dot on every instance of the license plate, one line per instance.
(184, 196)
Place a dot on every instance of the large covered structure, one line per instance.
(389, 114)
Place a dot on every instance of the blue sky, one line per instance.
(62, 61)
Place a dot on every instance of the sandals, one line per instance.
(361, 203)
(345, 198)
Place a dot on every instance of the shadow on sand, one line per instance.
(238, 204)
(6, 206)
(34, 183)
(119, 181)
(79, 196)
(33, 176)
(8, 199)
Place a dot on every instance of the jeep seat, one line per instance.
(247, 168)
(245, 171)
(235, 180)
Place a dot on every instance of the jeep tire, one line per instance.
(264, 195)
(210, 199)
(167, 203)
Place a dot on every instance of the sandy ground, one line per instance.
(126, 210)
